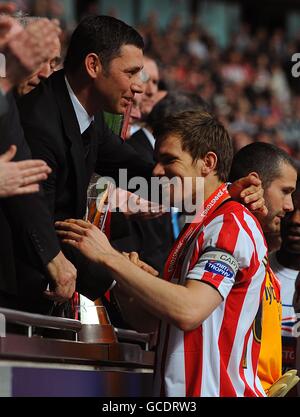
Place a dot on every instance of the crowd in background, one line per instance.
(249, 84)
(249, 87)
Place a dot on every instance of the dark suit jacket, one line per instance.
(3, 104)
(152, 239)
(28, 240)
(53, 134)
(142, 146)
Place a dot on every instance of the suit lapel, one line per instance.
(143, 141)
(72, 133)
(147, 144)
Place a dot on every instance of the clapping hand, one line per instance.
(22, 177)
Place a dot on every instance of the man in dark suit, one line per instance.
(3, 104)
(30, 251)
(28, 230)
(63, 124)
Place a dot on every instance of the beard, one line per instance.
(272, 222)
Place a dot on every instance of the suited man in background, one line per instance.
(63, 124)
(151, 238)
(150, 96)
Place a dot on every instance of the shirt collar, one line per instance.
(150, 137)
(83, 118)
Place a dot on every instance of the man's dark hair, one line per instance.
(263, 158)
(102, 35)
(174, 103)
(200, 133)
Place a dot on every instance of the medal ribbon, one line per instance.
(188, 233)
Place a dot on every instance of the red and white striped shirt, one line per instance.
(220, 357)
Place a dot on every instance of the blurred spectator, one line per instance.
(195, 47)
(286, 265)
(26, 49)
(236, 71)
(46, 69)
(279, 85)
(47, 8)
(151, 88)
(249, 85)
(255, 69)
(241, 139)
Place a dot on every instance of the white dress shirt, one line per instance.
(87, 307)
(83, 118)
(150, 137)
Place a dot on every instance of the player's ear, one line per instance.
(255, 174)
(93, 65)
(209, 164)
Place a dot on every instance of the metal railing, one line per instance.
(30, 320)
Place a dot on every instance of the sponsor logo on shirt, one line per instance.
(220, 263)
(220, 268)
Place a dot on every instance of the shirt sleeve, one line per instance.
(231, 251)
(217, 268)
(226, 250)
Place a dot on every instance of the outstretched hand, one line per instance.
(22, 177)
(26, 49)
(7, 8)
(86, 237)
(135, 207)
(93, 243)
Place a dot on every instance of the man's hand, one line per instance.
(63, 275)
(7, 8)
(249, 191)
(135, 207)
(9, 27)
(26, 50)
(134, 258)
(87, 238)
(17, 178)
